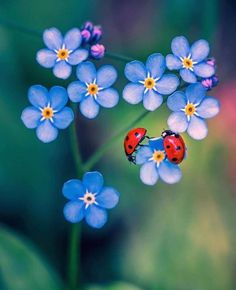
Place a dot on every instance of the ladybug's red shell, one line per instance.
(132, 139)
(175, 148)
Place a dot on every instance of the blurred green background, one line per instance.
(159, 238)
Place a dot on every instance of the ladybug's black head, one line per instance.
(131, 159)
(167, 133)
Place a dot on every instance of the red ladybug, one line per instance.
(132, 141)
(174, 146)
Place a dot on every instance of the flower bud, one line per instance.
(97, 33)
(86, 35)
(88, 25)
(209, 83)
(97, 51)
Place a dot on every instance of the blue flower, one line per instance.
(48, 112)
(190, 110)
(61, 53)
(155, 164)
(89, 199)
(92, 89)
(191, 61)
(148, 82)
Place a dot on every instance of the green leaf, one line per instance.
(21, 267)
(114, 286)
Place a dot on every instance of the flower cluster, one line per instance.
(152, 83)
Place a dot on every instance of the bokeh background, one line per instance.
(159, 238)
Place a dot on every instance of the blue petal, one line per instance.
(204, 70)
(38, 96)
(156, 65)
(46, 132)
(72, 39)
(89, 108)
(74, 211)
(197, 128)
(169, 172)
(188, 76)
(135, 71)
(152, 100)
(167, 84)
(108, 197)
(86, 72)
(77, 56)
(30, 117)
(62, 70)
(95, 216)
(108, 98)
(199, 50)
(73, 189)
(143, 154)
(180, 46)
(46, 58)
(133, 93)
(208, 108)
(148, 173)
(76, 91)
(106, 76)
(177, 122)
(173, 62)
(63, 118)
(156, 144)
(52, 38)
(58, 97)
(177, 101)
(93, 181)
(195, 93)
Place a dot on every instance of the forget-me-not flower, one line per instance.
(155, 164)
(48, 112)
(148, 82)
(191, 61)
(93, 89)
(61, 53)
(190, 110)
(89, 199)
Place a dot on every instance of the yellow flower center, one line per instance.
(158, 156)
(149, 83)
(89, 198)
(190, 109)
(47, 113)
(92, 89)
(187, 62)
(63, 53)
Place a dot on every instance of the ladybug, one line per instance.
(132, 141)
(174, 146)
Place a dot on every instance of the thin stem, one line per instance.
(118, 56)
(100, 152)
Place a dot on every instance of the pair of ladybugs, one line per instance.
(173, 144)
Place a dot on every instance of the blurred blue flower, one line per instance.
(61, 53)
(191, 61)
(155, 164)
(148, 82)
(190, 110)
(48, 112)
(92, 89)
(89, 199)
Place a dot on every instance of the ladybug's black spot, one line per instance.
(176, 135)
(127, 138)
(168, 146)
(174, 159)
(178, 147)
(130, 146)
(136, 134)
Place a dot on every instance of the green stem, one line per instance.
(100, 152)
(118, 56)
(73, 268)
